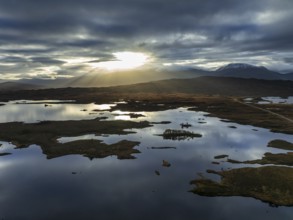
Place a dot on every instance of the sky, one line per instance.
(64, 38)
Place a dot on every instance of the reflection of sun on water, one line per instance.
(124, 61)
(122, 117)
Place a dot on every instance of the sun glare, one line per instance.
(124, 61)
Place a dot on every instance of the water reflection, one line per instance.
(21, 111)
(278, 100)
(74, 187)
(271, 100)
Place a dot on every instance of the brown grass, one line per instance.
(269, 184)
(45, 134)
(281, 144)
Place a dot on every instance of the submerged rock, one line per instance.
(157, 173)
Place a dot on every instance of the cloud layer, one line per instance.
(49, 39)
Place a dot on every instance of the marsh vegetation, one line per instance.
(129, 130)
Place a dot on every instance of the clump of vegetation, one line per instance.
(131, 115)
(185, 125)
(269, 184)
(161, 123)
(93, 149)
(135, 115)
(281, 144)
(179, 134)
(157, 173)
(231, 110)
(4, 154)
(221, 156)
(163, 148)
(166, 163)
(45, 135)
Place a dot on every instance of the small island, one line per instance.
(281, 144)
(179, 134)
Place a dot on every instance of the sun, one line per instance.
(124, 61)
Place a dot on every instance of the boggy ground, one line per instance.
(277, 117)
(256, 115)
(230, 108)
(45, 135)
(272, 184)
(281, 144)
(269, 158)
(93, 149)
(217, 102)
(269, 184)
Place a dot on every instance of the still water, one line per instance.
(272, 100)
(74, 187)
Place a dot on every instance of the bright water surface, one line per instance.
(74, 187)
(273, 100)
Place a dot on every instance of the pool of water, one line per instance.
(276, 100)
(271, 100)
(50, 110)
(74, 187)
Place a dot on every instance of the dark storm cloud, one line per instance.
(85, 43)
(288, 59)
(45, 31)
(47, 60)
(13, 59)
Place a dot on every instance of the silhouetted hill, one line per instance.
(288, 76)
(102, 79)
(222, 86)
(131, 77)
(215, 86)
(12, 86)
(140, 76)
(242, 70)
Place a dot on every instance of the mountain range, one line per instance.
(163, 89)
(237, 70)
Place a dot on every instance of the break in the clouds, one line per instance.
(53, 38)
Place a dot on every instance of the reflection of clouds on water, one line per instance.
(102, 184)
(31, 113)
(277, 100)
(4, 164)
(241, 143)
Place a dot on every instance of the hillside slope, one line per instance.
(222, 86)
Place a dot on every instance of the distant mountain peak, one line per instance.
(239, 66)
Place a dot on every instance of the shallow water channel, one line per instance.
(75, 187)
